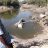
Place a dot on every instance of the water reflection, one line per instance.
(9, 14)
(16, 18)
(30, 29)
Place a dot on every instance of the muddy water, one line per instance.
(30, 29)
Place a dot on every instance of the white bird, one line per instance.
(21, 23)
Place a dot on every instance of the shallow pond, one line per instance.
(29, 30)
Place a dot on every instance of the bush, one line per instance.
(13, 3)
(1, 3)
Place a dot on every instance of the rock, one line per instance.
(46, 13)
(44, 46)
(42, 15)
(34, 47)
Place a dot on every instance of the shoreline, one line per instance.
(40, 38)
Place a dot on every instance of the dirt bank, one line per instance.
(41, 40)
(4, 9)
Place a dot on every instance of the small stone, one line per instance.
(44, 46)
(34, 47)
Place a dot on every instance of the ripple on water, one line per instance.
(29, 30)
